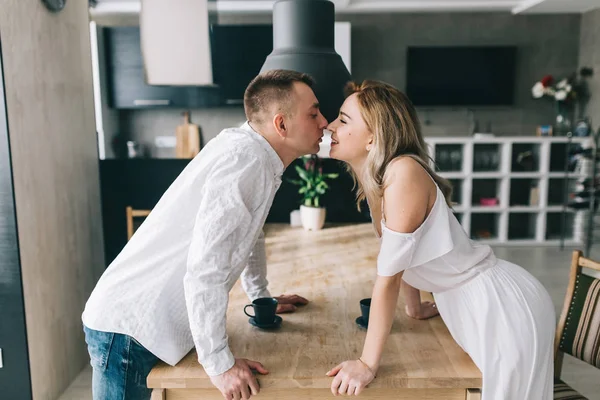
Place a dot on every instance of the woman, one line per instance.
(495, 310)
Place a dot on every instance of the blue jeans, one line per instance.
(120, 366)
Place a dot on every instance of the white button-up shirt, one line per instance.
(169, 287)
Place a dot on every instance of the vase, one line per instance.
(313, 218)
(562, 123)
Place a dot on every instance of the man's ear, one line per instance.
(279, 125)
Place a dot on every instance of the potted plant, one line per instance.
(312, 187)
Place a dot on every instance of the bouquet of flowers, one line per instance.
(568, 89)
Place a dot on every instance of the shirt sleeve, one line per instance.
(396, 253)
(254, 277)
(221, 242)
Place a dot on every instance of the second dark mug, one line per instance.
(365, 307)
(264, 310)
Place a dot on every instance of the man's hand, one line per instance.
(288, 303)
(238, 383)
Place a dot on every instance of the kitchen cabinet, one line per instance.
(125, 73)
(140, 183)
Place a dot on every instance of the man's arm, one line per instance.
(255, 283)
(254, 277)
(222, 240)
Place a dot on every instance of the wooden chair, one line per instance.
(578, 332)
(132, 213)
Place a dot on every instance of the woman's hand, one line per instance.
(425, 310)
(351, 377)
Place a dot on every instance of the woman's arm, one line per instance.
(353, 376)
(407, 194)
(381, 317)
(414, 307)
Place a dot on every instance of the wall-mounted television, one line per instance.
(461, 76)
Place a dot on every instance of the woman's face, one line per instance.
(350, 136)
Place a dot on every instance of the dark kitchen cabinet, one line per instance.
(140, 183)
(125, 73)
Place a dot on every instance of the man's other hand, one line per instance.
(288, 303)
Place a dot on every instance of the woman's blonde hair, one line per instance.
(393, 120)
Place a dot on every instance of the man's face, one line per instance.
(305, 127)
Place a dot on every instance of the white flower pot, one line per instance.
(313, 218)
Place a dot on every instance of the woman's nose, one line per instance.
(331, 126)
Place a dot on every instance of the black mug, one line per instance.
(264, 310)
(365, 307)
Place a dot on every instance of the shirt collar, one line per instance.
(274, 160)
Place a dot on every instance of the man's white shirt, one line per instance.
(169, 287)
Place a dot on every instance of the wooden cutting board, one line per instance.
(188, 138)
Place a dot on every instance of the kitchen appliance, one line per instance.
(303, 41)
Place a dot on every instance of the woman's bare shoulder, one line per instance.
(407, 170)
(407, 194)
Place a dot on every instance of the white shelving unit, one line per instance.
(528, 191)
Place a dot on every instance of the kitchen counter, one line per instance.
(334, 268)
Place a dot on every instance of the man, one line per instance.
(168, 289)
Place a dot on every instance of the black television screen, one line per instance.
(461, 76)
(238, 54)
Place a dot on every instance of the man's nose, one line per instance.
(323, 122)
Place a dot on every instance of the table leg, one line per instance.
(473, 394)
(159, 394)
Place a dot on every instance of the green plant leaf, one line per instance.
(303, 174)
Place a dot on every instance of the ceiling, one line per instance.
(375, 6)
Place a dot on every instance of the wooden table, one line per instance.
(334, 268)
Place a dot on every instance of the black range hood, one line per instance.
(303, 41)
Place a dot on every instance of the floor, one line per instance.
(549, 265)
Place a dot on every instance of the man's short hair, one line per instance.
(274, 87)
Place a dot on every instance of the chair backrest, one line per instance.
(578, 332)
(132, 213)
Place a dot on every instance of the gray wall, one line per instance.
(50, 110)
(589, 56)
(547, 44)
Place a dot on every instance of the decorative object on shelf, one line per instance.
(312, 187)
(568, 93)
(534, 195)
(118, 144)
(525, 161)
(544, 130)
(189, 140)
(582, 128)
(482, 135)
(134, 149)
(54, 5)
(488, 201)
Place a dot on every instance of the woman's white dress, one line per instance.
(495, 310)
